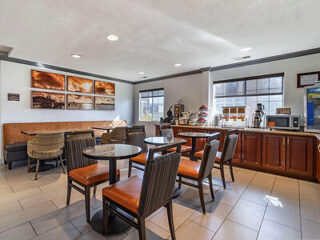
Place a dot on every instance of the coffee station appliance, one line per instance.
(258, 118)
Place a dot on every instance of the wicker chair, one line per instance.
(118, 135)
(45, 147)
(78, 134)
(85, 172)
(197, 171)
(225, 157)
(142, 197)
(138, 162)
(136, 128)
(166, 131)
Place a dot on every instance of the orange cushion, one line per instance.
(184, 148)
(126, 193)
(218, 157)
(143, 157)
(189, 168)
(91, 174)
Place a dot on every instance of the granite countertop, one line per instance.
(256, 130)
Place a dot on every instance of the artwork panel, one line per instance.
(79, 102)
(104, 103)
(104, 88)
(76, 84)
(47, 100)
(47, 80)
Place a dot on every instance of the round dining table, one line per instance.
(194, 136)
(111, 153)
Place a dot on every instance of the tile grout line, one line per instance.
(33, 229)
(235, 205)
(274, 182)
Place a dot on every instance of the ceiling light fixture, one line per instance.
(141, 73)
(112, 37)
(246, 49)
(177, 65)
(75, 55)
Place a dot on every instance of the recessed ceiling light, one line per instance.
(177, 65)
(141, 73)
(246, 49)
(75, 55)
(112, 37)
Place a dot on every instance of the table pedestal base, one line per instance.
(115, 224)
(176, 192)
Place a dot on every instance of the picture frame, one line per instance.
(47, 100)
(47, 80)
(104, 88)
(78, 84)
(80, 102)
(104, 103)
(307, 79)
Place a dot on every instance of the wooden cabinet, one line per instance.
(274, 152)
(251, 149)
(299, 160)
(237, 153)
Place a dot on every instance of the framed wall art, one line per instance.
(307, 79)
(104, 103)
(82, 85)
(47, 100)
(79, 102)
(47, 80)
(104, 88)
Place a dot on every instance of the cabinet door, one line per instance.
(273, 152)
(300, 155)
(251, 149)
(318, 160)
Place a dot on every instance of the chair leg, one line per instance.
(142, 228)
(170, 219)
(87, 201)
(180, 178)
(105, 217)
(130, 168)
(231, 171)
(94, 190)
(200, 187)
(37, 169)
(222, 176)
(28, 164)
(69, 191)
(56, 162)
(61, 163)
(211, 186)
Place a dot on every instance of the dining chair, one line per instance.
(136, 128)
(198, 171)
(85, 172)
(225, 157)
(138, 162)
(45, 147)
(78, 134)
(141, 197)
(167, 131)
(117, 135)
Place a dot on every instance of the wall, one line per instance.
(293, 96)
(15, 78)
(192, 90)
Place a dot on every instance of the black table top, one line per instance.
(197, 134)
(111, 151)
(158, 141)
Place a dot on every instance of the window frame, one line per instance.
(152, 97)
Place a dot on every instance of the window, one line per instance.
(267, 90)
(151, 105)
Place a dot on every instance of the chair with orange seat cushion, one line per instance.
(198, 171)
(138, 162)
(166, 131)
(225, 157)
(141, 197)
(85, 172)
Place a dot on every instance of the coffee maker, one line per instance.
(259, 116)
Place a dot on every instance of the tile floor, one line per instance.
(257, 206)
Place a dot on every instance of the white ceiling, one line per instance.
(155, 34)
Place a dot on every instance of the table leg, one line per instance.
(115, 224)
(193, 149)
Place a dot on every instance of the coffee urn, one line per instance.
(259, 116)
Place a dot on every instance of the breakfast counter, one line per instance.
(288, 153)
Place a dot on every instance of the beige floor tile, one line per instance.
(180, 215)
(39, 210)
(81, 222)
(192, 197)
(309, 190)
(5, 190)
(24, 231)
(60, 202)
(286, 195)
(257, 196)
(227, 197)
(216, 214)
(12, 220)
(33, 201)
(92, 235)
(9, 208)
(66, 232)
(153, 232)
(310, 210)
(310, 229)
(191, 230)
(247, 214)
(234, 231)
(271, 230)
(285, 214)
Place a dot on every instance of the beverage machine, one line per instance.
(312, 108)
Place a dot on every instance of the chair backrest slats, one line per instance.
(74, 148)
(229, 147)
(137, 139)
(119, 134)
(208, 159)
(166, 131)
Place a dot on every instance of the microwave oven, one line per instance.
(283, 121)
